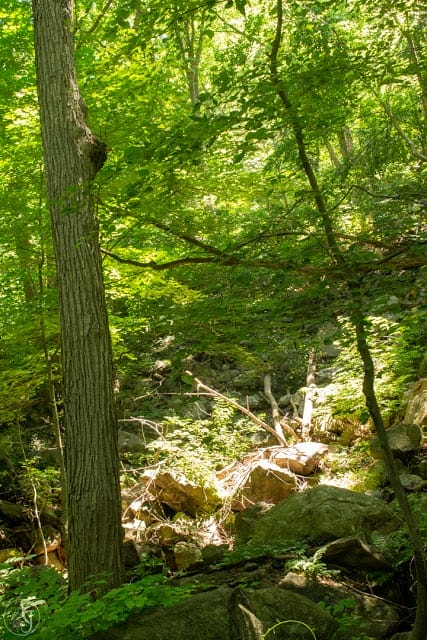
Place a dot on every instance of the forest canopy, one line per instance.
(253, 182)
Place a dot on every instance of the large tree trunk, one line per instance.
(73, 155)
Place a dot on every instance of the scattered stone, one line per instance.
(303, 458)
(416, 408)
(410, 481)
(166, 534)
(354, 552)
(214, 553)
(402, 438)
(285, 401)
(130, 442)
(187, 554)
(207, 532)
(331, 350)
(246, 520)
(178, 492)
(421, 468)
(255, 401)
(266, 482)
(325, 376)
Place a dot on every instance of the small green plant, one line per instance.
(344, 612)
(311, 566)
(396, 348)
(78, 616)
(396, 546)
(197, 448)
(252, 552)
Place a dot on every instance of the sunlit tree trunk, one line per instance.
(309, 396)
(189, 37)
(73, 156)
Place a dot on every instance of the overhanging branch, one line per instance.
(385, 263)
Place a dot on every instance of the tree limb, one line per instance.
(396, 124)
(239, 407)
(278, 420)
(386, 262)
(309, 395)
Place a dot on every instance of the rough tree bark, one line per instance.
(73, 156)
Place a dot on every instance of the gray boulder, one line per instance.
(403, 439)
(266, 482)
(321, 515)
(130, 442)
(416, 409)
(229, 614)
(253, 613)
(354, 552)
(246, 520)
(410, 481)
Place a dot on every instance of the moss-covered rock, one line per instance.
(323, 514)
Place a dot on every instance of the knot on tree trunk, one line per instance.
(98, 154)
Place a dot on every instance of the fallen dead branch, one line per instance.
(278, 420)
(264, 425)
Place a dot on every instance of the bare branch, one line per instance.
(274, 409)
(151, 264)
(239, 407)
(396, 124)
(190, 239)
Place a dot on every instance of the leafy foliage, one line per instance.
(312, 567)
(396, 546)
(78, 615)
(348, 620)
(214, 247)
(252, 551)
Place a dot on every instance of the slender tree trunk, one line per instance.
(309, 396)
(358, 319)
(420, 625)
(73, 156)
(190, 44)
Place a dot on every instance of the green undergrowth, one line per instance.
(349, 622)
(197, 447)
(39, 595)
(396, 546)
(249, 551)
